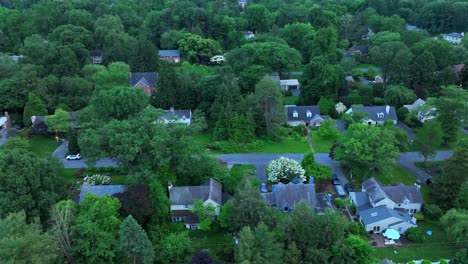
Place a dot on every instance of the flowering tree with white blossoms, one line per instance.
(284, 168)
(340, 108)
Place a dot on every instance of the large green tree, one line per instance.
(398, 95)
(134, 243)
(22, 242)
(199, 49)
(59, 122)
(174, 248)
(269, 106)
(394, 58)
(428, 139)
(259, 246)
(455, 222)
(34, 107)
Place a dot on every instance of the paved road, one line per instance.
(408, 130)
(61, 153)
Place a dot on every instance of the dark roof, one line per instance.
(374, 190)
(100, 190)
(95, 53)
(189, 217)
(148, 78)
(186, 195)
(169, 53)
(179, 114)
(412, 28)
(378, 113)
(382, 212)
(288, 195)
(399, 192)
(301, 112)
(322, 204)
(454, 35)
(362, 201)
(362, 49)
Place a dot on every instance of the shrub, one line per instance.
(352, 208)
(425, 261)
(285, 169)
(415, 234)
(357, 229)
(432, 211)
(79, 171)
(443, 261)
(379, 101)
(339, 202)
(419, 216)
(99, 179)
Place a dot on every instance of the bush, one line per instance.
(379, 101)
(432, 211)
(415, 234)
(284, 169)
(339, 202)
(425, 261)
(402, 112)
(352, 208)
(419, 216)
(443, 261)
(99, 179)
(356, 228)
(366, 91)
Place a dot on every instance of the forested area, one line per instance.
(233, 101)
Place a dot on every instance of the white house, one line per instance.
(454, 37)
(376, 114)
(178, 116)
(381, 207)
(304, 115)
(182, 198)
(289, 84)
(423, 115)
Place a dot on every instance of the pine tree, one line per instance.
(73, 147)
(134, 242)
(34, 107)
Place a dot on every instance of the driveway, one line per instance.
(408, 159)
(61, 153)
(408, 130)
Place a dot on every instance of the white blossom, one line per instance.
(340, 108)
(99, 179)
(284, 168)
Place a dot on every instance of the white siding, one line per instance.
(387, 202)
(181, 207)
(407, 207)
(295, 123)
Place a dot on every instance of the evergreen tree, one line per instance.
(34, 107)
(134, 243)
(428, 139)
(73, 147)
(270, 110)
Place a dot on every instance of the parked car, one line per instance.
(335, 180)
(340, 191)
(74, 157)
(348, 187)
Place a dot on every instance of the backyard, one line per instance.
(434, 248)
(394, 175)
(321, 144)
(43, 145)
(215, 241)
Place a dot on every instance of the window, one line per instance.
(186, 206)
(376, 229)
(295, 114)
(308, 113)
(193, 227)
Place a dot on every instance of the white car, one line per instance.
(74, 157)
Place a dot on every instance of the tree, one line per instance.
(285, 169)
(21, 242)
(462, 198)
(415, 234)
(134, 243)
(428, 139)
(73, 147)
(455, 223)
(269, 104)
(206, 214)
(59, 122)
(258, 18)
(97, 227)
(198, 49)
(361, 250)
(360, 148)
(61, 217)
(174, 248)
(159, 201)
(452, 108)
(249, 77)
(29, 183)
(423, 68)
(243, 128)
(135, 201)
(259, 246)
(248, 207)
(202, 257)
(34, 107)
(326, 106)
(394, 58)
(453, 174)
(398, 95)
(328, 129)
(296, 35)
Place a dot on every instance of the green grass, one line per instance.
(396, 175)
(239, 170)
(434, 248)
(321, 145)
(42, 145)
(290, 100)
(215, 241)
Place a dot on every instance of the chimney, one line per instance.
(171, 109)
(387, 109)
(8, 122)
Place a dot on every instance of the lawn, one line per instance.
(434, 248)
(290, 100)
(71, 178)
(239, 170)
(215, 241)
(394, 175)
(321, 145)
(43, 145)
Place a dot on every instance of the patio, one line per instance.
(378, 241)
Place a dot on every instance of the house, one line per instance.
(382, 207)
(378, 79)
(290, 84)
(242, 3)
(178, 116)
(16, 58)
(38, 125)
(101, 190)
(376, 114)
(96, 56)
(182, 199)
(304, 115)
(361, 51)
(285, 197)
(143, 80)
(423, 115)
(412, 28)
(170, 55)
(249, 35)
(5, 121)
(349, 79)
(454, 37)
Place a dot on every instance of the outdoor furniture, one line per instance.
(392, 234)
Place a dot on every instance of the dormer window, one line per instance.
(295, 114)
(380, 115)
(308, 113)
(406, 201)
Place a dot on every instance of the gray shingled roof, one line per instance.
(386, 261)
(378, 113)
(374, 190)
(169, 53)
(150, 78)
(179, 114)
(399, 192)
(186, 195)
(382, 212)
(101, 190)
(288, 195)
(301, 112)
(95, 53)
(362, 201)
(454, 35)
